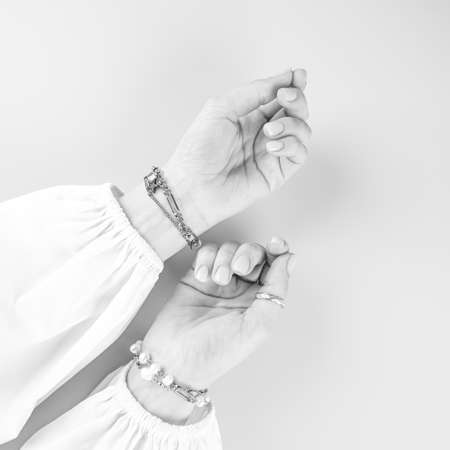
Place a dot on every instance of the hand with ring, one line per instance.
(221, 310)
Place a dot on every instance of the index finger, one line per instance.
(245, 99)
(299, 77)
(293, 101)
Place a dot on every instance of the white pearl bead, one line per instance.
(167, 380)
(154, 368)
(148, 372)
(143, 358)
(136, 347)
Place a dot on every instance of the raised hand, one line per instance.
(207, 328)
(242, 146)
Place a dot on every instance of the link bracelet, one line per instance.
(155, 181)
(153, 372)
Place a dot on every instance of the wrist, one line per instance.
(161, 403)
(169, 354)
(188, 194)
(149, 220)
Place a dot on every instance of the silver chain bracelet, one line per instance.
(155, 181)
(151, 371)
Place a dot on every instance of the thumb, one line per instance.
(276, 280)
(246, 98)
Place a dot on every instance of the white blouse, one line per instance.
(74, 272)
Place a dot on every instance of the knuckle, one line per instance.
(247, 246)
(249, 249)
(226, 250)
(207, 250)
(255, 249)
(229, 245)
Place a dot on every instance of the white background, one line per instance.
(95, 91)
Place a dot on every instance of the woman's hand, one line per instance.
(242, 146)
(210, 326)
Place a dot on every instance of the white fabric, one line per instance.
(112, 419)
(74, 272)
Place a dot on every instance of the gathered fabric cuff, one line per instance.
(74, 274)
(98, 252)
(113, 419)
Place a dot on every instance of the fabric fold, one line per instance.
(74, 274)
(113, 419)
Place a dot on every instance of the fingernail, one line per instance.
(273, 128)
(302, 73)
(290, 94)
(242, 265)
(299, 78)
(278, 242)
(274, 146)
(202, 274)
(222, 275)
(291, 264)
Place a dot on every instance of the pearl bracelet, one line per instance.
(153, 372)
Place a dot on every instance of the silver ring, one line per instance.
(271, 298)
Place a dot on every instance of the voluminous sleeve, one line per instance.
(73, 273)
(112, 419)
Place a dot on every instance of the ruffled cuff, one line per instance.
(114, 419)
(150, 423)
(96, 251)
(74, 274)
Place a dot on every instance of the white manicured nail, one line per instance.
(202, 274)
(274, 146)
(290, 94)
(278, 242)
(273, 128)
(222, 275)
